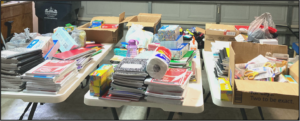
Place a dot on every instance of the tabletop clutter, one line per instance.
(45, 63)
(154, 63)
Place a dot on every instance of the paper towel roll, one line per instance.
(157, 65)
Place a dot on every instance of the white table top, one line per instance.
(193, 102)
(65, 92)
(214, 84)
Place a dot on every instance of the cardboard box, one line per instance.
(101, 35)
(260, 93)
(100, 80)
(218, 32)
(151, 22)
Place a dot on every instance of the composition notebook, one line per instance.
(132, 65)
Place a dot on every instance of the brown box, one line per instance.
(261, 93)
(151, 22)
(213, 32)
(100, 35)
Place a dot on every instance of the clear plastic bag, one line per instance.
(136, 32)
(79, 36)
(255, 32)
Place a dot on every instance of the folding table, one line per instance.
(65, 92)
(215, 91)
(193, 101)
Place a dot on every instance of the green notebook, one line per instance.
(184, 59)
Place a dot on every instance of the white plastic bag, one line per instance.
(136, 32)
(255, 32)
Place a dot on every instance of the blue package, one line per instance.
(180, 51)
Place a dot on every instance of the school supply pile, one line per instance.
(50, 77)
(170, 89)
(128, 80)
(15, 62)
(271, 67)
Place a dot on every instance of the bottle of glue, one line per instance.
(193, 44)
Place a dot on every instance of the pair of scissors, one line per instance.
(251, 74)
(268, 64)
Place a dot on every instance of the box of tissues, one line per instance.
(168, 33)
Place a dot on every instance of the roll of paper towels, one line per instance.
(157, 65)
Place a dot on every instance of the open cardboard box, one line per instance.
(151, 22)
(261, 93)
(213, 33)
(100, 35)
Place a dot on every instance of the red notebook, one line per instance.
(93, 45)
(68, 54)
(52, 67)
(174, 76)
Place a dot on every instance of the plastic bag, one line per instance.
(79, 36)
(255, 32)
(136, 32)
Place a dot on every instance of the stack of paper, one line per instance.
(50, 76)
(171, 89)
(128, 80)
(74, 54)
(15, 62)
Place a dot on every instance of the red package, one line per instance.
(110, 26)
(271, 29)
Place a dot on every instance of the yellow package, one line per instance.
(100, 80)
(226, 91)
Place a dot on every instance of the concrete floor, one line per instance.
(74, 108)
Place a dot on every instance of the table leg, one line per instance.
(114, 112)
(32, 111)
(86, 83)
(207, 96)
(243, 113)
(148, 112)
(28, 105)
(261, 113)
(171, 114)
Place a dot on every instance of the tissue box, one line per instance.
(226, 91)
(100, 80)
(180, 52)
(52, 51)
(120, 52)
(168, 33)
(41, 42)
(172, 44)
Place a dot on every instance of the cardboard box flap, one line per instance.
(145, 24)
(200, 30)
(85, 27)
(294, 71)
(267, 87)
(243, 48)
(121, 17)
(150, 14)
(219, 26)
(128, 19)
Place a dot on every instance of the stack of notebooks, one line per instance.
(50, 76)
(220, 50)
(171, 89)
(15, 62)
(184, 62)
(128, 80)
(81, 55)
